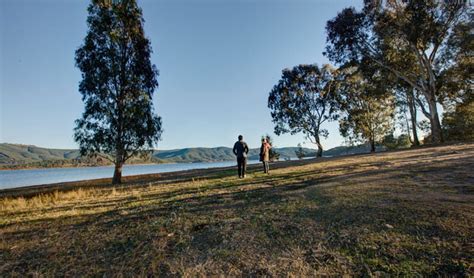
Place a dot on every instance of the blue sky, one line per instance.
(218, 60)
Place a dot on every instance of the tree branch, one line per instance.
(422, 107)
(105, 156)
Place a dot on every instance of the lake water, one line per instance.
(20, 178)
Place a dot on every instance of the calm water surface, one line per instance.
(19, 178)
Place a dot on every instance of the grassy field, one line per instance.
(395, 213)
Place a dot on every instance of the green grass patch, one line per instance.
(407, 213)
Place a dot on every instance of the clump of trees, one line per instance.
(458, 120)
(410, 40)
(117, 86)
(392, 142)
(366, 110)
(395, 58)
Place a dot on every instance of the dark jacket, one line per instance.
(240, 149)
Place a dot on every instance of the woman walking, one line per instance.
(265, 155)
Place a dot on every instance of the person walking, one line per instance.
(265, 155)
(241, 150)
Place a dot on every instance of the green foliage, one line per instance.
(300, 153)
(456, 88)
(117, 86)
(405, 38)
(458, 123)
(392, 143)
(456, 81)
(366, 114)
(424, 126)
(303, 100)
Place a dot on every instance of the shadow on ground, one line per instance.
(406, 215)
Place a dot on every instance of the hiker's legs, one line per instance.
(239, 166)
(244, 166)
(267, 167)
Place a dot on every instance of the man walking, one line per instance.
(241, 150)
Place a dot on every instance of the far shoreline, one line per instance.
(22, 167)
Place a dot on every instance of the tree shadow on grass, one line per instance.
(271, 190)
(208, 176)
(201, 222)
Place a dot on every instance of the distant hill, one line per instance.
(22, 154)
(195, 154)
(347, 150)
(16, 155)
(218, 154)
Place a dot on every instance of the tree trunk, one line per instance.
(412, 108)
(117, 179)
(372, 145)
(416, 141)
(436, 132)
(320, 147)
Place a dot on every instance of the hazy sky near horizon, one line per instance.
(218, 61)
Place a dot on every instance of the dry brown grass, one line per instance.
(396, 213)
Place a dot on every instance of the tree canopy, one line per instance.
(366, 110)
(405, 38)
(117, 86)
(303, 100)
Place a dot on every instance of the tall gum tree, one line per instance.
(366, 109)
(117, 86)
(421, 27)
(458, 84)
(303, 100)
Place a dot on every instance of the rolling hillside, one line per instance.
(195, 154)
(217, 154)
(22, 154)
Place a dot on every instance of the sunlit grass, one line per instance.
(400, 213)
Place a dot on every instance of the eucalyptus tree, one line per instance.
(458, 83)
(419, 28)
(407, 101)
(366, 109)
(458, 121)
(303, 100)
(117, 86)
